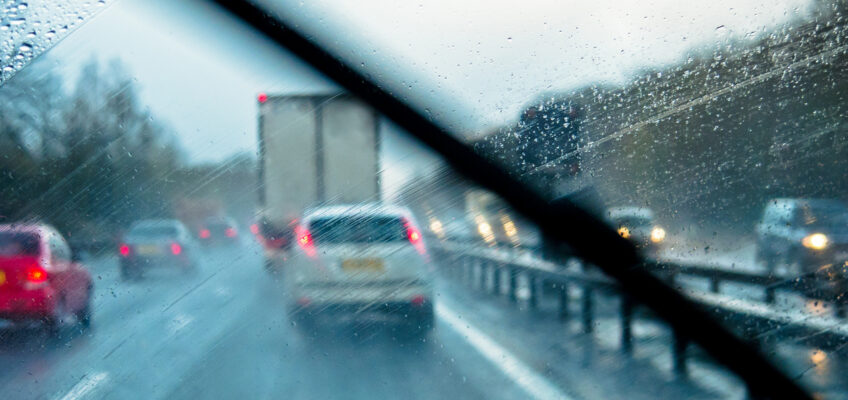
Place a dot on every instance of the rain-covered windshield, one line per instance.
(707, 136)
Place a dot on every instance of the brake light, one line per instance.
(230, 232)
(304, 240)
(254, 229)
(35, 274)
(176, 249)
(204, 233)
(418, 300)
(262, 98)
(414, 236)
(124, 250)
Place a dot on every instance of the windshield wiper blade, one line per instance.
(564, 222)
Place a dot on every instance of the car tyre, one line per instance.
(130, 272)
(84, 315)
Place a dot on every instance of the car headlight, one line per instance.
(624, 232)
(815, 241)
(657, 234)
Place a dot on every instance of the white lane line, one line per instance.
(85, 386)
(525, 377)
(179, 322)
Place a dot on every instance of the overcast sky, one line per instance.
(476, 62)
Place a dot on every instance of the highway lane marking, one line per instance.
(534, 384)
(179, 322)
(85, 386)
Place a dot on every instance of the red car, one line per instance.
(38, 279)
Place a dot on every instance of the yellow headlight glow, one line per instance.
(657, 234)
(624, 232)
(816, 241)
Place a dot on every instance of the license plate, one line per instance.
(2, 277)
(363, 264)
(147, 250)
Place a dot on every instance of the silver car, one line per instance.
(366, 260)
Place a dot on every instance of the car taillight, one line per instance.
(176, 249)
(254, 229)
(35, 274)
(418, 300)
(230, 232)
(304, 240)
(124, 250)
(204, 233)
(414, 236)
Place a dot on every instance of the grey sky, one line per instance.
(474, 62)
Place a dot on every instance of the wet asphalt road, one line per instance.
(223, 333)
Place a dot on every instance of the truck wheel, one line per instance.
(421, 321)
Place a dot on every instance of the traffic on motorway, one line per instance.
(239, 199)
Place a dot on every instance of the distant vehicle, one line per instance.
(366, 259)
(39, 281)
(809, 233)
(157, 243)
(314, 150)
(637, 224)
(218, 230)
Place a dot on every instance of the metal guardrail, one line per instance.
(758, 322)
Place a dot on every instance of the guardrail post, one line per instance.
(769, 295)
(533, 284)
(714, 285)
(563, 301)
(678, 354)
(513, 284)
(496, 279)
(480, 275)
(626, 325)
(586, 310)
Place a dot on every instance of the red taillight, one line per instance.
(254, 229)
(124, 250)
(35, 274)
(304, 240)
(418, 300)
(230, 232)
(204, 233)
(414, 236)
(176, 249)
(262, 98)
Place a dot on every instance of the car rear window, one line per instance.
(15, 244)
(154, 231)
(358, 229)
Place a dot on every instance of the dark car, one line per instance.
(38, 279)
(805, 233)
(219, 231)
(637, 225)
(160, 244)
